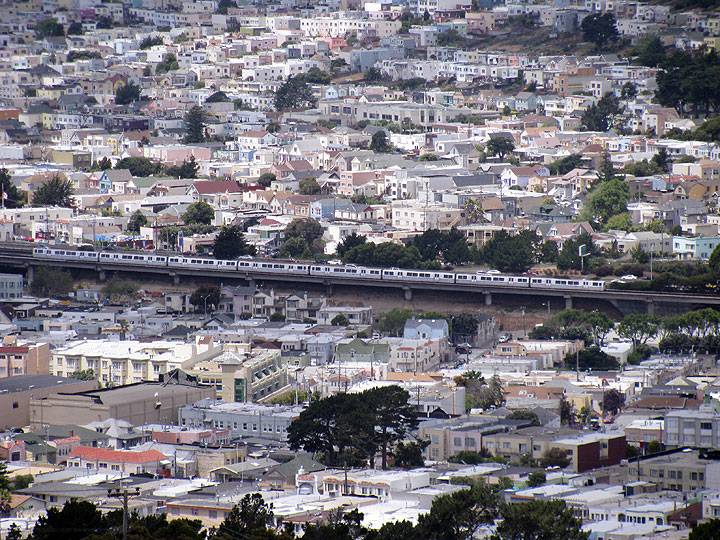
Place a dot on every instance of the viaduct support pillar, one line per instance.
(650, 307)
(488, 298)
(30, 275)
(408, 293)
(176, 279)
(101, 275)
(568, 302)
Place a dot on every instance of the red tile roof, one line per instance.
(208, 187)
(14, 350)
(89, 453)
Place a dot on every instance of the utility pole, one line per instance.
(124, 495)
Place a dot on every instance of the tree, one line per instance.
(8, 190)
(150, 41)
(295, 248)
(628, 91)
(393, 417)
(710, 530)
(536, 479)
(14, 533)
(500, 146)
(206, 297)
(315, 75)
(230, 244)
(188, 169)
(199, 213)
(333, 425)
(599, 325)
(76, 519)
(137, 220)
(549, 252)
(601, 116)
(224, 5)
(650, 51)
(464, 326)
(51, 282)
(139, 166)
(607, 199)
(169, 63)
(565, 165)
(409, 454)
(353, 240)
(591, 358)
(539, 520)
(4, 489)
(84, 375)
(459, 515)
(555, 457)
(619, 222)
(661, 160)
(49, 28)
(481, 394)
(127, 93)
(600, 29)
(639, 328)
(120, 291)
(524, 414)
(75, 28)
(57, 191)
(613, 401)
(569, 257)
(104, 164)
(393, 322)
(293, 94)
(194, 125)
(266, 179)
(379, 142)
(309, 186)
(373, 75)
(714, 260)
(511, 253)
(340, 320)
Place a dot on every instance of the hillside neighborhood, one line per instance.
(205, 206)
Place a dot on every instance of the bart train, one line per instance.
(275, 266)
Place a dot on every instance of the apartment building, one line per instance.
(243, 419)
(19, 357)
(680, 471)
(126, 461)
(126, 362)
(239, 374)
(695, 429)
(416, 216)
(584, 451)
(11, 286)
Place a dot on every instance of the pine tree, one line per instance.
(195, 125)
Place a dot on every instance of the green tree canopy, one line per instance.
(230, 244)
(499, 146)
(57, 191)
(139, 166)
(379, 142)
(137, 220)
(600, 29)
(127, 93)
(205, 296)
(199, 213)
(12, 195)
(539, 520)
(608, 199)
(49, 28)
(295, 93)
(194, 125)
(188, 169)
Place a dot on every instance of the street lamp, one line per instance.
(522, 312)
(205, 302)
